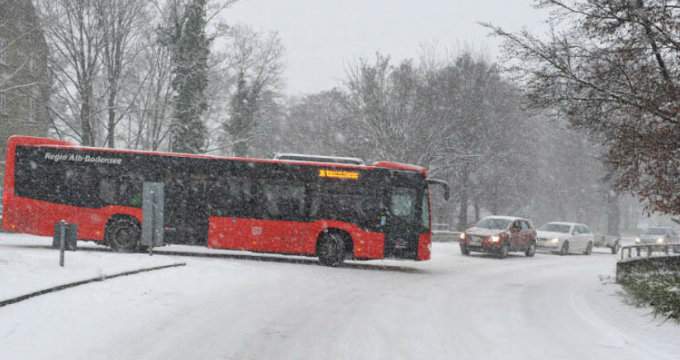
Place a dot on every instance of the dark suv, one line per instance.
(500, 235)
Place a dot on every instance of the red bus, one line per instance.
(330, 210)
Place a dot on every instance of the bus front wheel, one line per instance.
(331, 249)
(123, 235)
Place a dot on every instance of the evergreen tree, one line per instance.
(243, 109)
(191, 48)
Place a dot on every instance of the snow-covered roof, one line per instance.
(505, 217)
(565, 223)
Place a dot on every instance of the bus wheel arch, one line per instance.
(123, 233)
(333, 245)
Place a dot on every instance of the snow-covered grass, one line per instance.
(660, 290)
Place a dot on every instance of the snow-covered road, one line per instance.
(453, 307)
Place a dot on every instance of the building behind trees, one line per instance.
(24, 85)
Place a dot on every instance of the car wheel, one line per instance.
(616, 248)
(123, 235)
(589, 248)
(331, 250)
(531, 251)
(504, 250)
(464, 250)
(565, 248)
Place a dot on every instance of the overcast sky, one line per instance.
(322, 36)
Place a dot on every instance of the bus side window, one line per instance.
(284, 201)
(79, 187)
(130, 191)
(107, 190)
(240, 197)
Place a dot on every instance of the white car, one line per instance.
(566, 238)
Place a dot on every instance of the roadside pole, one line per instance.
(153, 221)
(62, 243)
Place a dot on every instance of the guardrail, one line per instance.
(650, 249)
(445, 236)
(648, 259)
(440, 226)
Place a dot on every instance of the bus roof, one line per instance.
(52, 143)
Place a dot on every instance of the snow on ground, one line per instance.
(272, 307)
(29, 264)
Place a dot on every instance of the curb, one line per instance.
(83, 282)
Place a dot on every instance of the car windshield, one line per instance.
(493, 223)
(559, 228)
(655, 231)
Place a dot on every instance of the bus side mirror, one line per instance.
(442, 183)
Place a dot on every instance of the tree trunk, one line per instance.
(112, 117)
(613, 216)
(86, 138)
(464, 195)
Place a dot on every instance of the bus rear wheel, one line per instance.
(331, 249)
(123, 235)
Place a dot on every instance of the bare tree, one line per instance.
(121, 29)
(254, 60)
(612, 70)
(75, 33)
(146, 123)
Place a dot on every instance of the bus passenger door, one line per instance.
(285, 216)
(402, 228)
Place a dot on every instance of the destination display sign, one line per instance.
(338, 174)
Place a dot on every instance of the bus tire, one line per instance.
(123, 234)
(331, 249)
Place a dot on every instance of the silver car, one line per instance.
(658, 236)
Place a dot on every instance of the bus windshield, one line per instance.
(404, 202)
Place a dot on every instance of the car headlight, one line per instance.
(659, 241)
(495, 238)
(462, 236)
(554, 240)
(637, 240)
